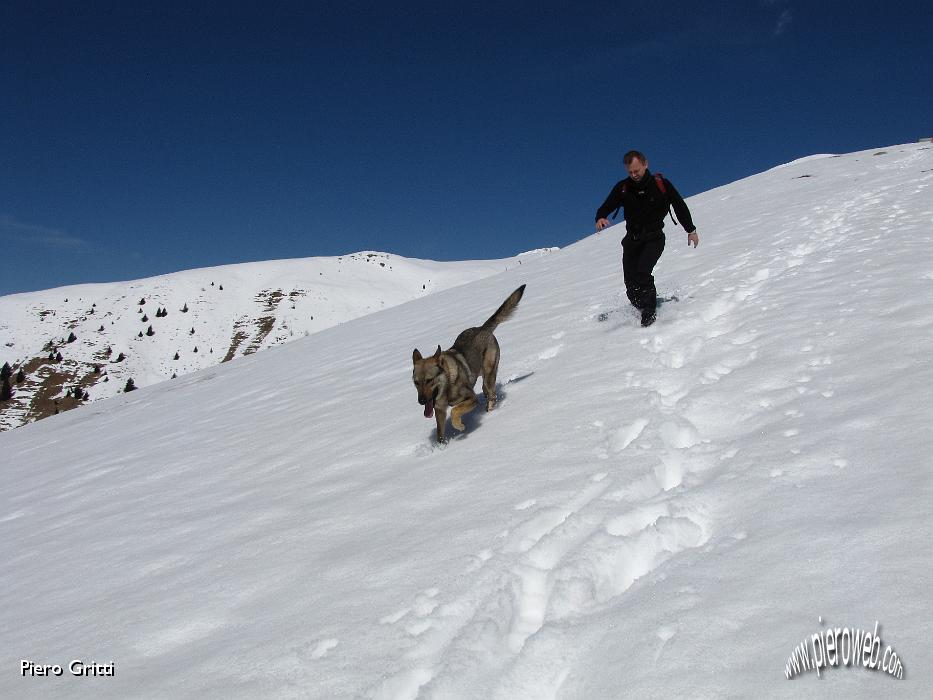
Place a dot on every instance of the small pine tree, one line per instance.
(72, 338)
(192, 330)
(6, 371)
(86, 396)
(130, 386)
(109, 351)
(101, 329)
(140, 335)
(121, 357)
(174, 375)
(145, 318)
(176, 356)
(150, 332)
(96, 369)
(221, 287)
(6, 391)
(195, 349)
(184, 309)
(142, 302)
(58, 357)
(20, 376)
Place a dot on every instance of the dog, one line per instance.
(447, 378)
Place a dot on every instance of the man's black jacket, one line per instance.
(645, 205)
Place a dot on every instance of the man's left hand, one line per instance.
(693, 238)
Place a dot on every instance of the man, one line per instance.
(645, 206)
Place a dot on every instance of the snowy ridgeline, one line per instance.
(95, 337)
(662, 512)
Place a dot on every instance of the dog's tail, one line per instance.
(505, 311)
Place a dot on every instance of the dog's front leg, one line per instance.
(459, 410)
(440, 415)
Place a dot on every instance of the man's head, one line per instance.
(636, 164)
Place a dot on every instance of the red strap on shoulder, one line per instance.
(659, 178)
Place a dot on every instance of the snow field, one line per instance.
(659, 512)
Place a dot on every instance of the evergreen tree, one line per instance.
(195, 349)
(58, 357)
(109, 351)
(72, 338)
(130, 386)
(150, 332)
(6, 371)
(121, 357)
(176, 356)
(20, 376)
(184, 309)
(142, 302)
(192, 330)
(6, 391)
(145, 318)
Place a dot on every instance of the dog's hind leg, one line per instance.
(457, 411)
(490, 368)
(489, 389)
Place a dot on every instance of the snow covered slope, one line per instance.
(662, 512)
(214, 314)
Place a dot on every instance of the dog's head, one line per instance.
(429, 378)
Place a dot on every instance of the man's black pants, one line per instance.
(638, 260)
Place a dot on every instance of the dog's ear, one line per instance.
(416, 356)
(438, 353)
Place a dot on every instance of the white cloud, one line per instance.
(783, 22)
(12, 230)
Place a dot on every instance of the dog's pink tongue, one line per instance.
(428, 409)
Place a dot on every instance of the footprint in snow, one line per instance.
(323, 648)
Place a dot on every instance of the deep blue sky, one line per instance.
(142, 138)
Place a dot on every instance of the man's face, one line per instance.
(637, 168)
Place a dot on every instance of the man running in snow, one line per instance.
(645, 205)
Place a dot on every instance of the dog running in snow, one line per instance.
(447, 378)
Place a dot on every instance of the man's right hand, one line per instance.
(601, 224)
